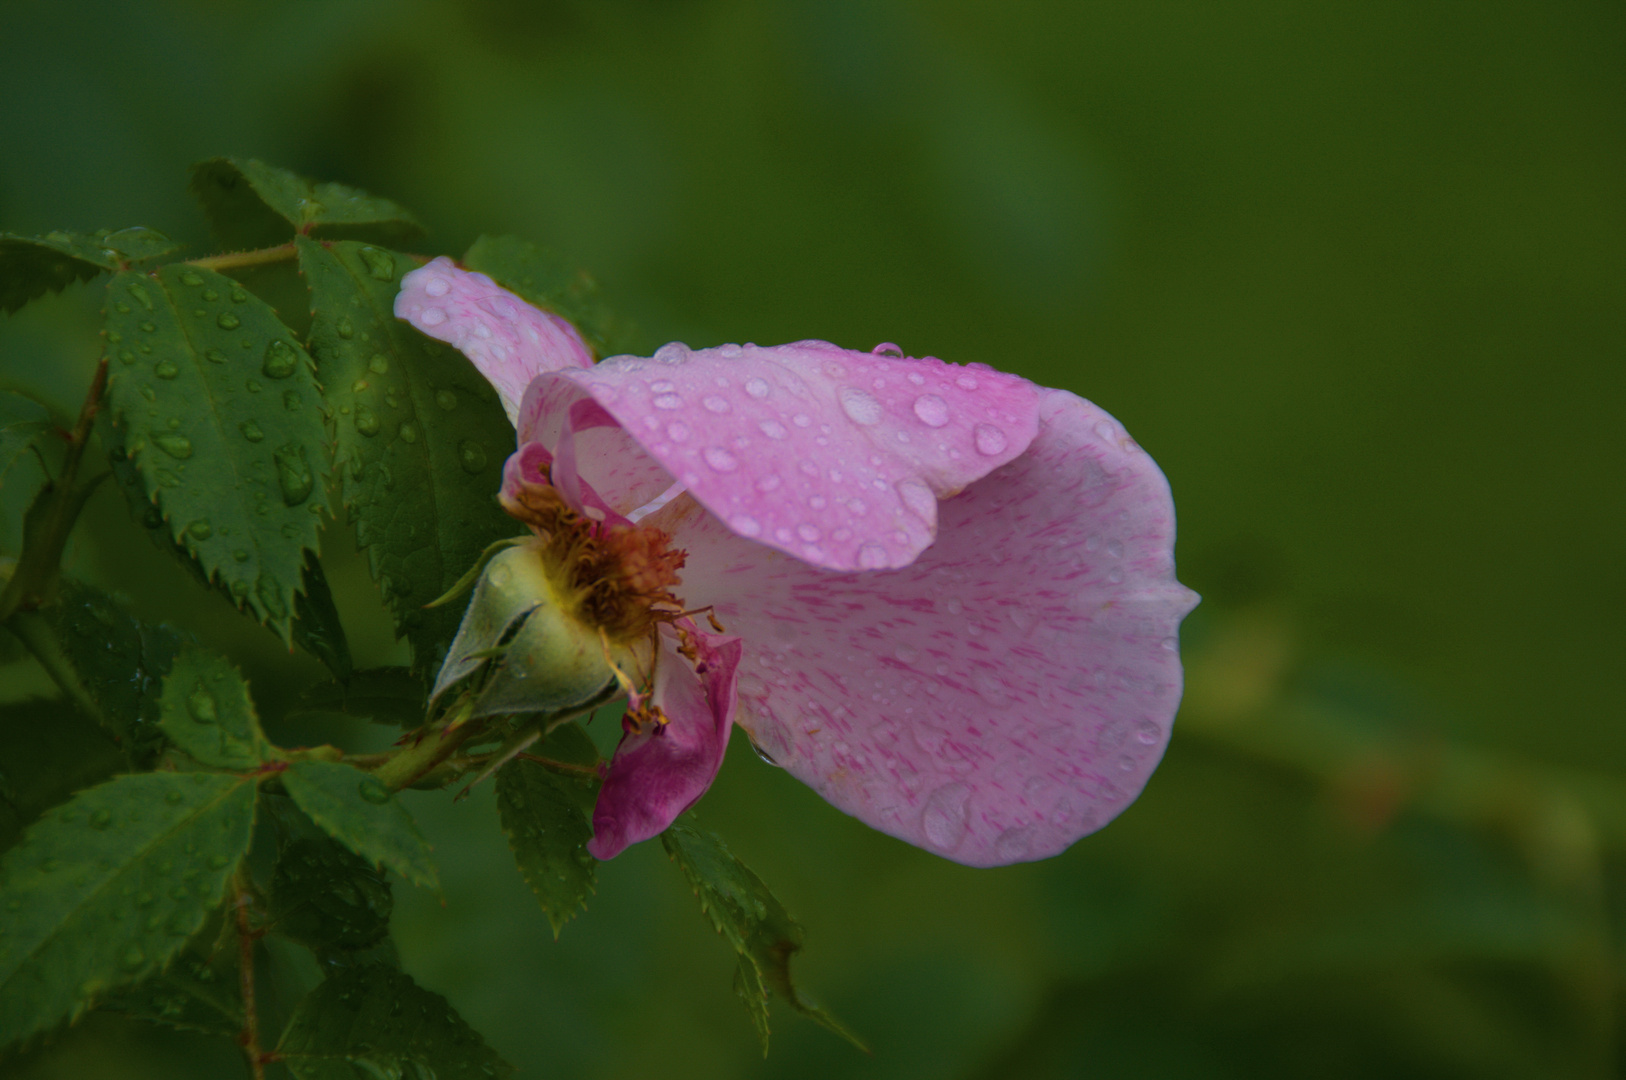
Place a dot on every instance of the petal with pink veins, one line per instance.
(510, 341)
(1002, 696)
(657, 775)
(834, 456)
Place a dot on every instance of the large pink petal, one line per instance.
(1007, 693)
(836, 457)
(655, 777)
(510, 341)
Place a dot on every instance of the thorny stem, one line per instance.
(233, 260)
(429, 748)
(249, 1039)
(564, 766)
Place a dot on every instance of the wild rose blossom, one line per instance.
(944, 597)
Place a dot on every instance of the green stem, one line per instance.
(414, 761)
(234, 260)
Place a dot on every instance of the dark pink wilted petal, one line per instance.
(510, 341)
(1008, 692)
(654, 777)
(834, 456)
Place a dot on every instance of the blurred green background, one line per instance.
(1353, 272)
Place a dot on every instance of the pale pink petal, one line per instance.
(836, 457)
(1004, 695)
(655, 777)
(510, 341)
(603, 456)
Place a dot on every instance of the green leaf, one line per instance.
(387, 695)
(372, 1021)
(548, 280)
(360, 812)
(419, 439)
(316, 625)
(207, 713)
(546, 815)
(325, 897)
(192, 994)
(219, 409)
(48, 750)
(119, 661)
(252, 204)
(752, 920)
(31, 266)
(103, 891)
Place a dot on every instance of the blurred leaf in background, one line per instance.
(1351, 273)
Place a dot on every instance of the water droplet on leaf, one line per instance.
(279, 360)
(228, 321)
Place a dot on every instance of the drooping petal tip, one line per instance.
(509, 340)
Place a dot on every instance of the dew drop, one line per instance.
(379, 364)
(677, 431)
(200, 704)
(228, 321)
(366, 421)
(715, 404)
(674, 352)
(408, 432)
(886, 348)
(668, 401)
(437, 286)
(238, 296)
(931, 410)
(432, 316)
(241, 555)
(773, 429)
(191, 277)
(165, 369)
(373, 790)
(346, 329)
(176, 446)
(101, 819)
(292, 401)
(768, 483)
(294, 475)
(279, 360)
(380, 263)
(269, 590)
(873, 557)
(720, 459)
(471, 455)
(966, 382)
(918, 498)
(860, 406)
(989, 439)
(1147, 733)
(757, 388)
(946, 815)
(446, 399)
(802, 420)
(807, 532)
(746, 525)
(214, 355)
(251, 431)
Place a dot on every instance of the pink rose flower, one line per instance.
(948, 594)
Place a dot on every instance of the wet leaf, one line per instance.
(216, 404)
(206, 712)
(546, 815)
(192, 994)
(48, 750)
(31, 266)
(106, 889)
(388, 695)
(357, 810)
(752, 920)
(419, 439)
(252, 204)
(326, 897)
(372, 1021)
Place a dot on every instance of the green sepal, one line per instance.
(217, 405)
(753, 921)
(373, 1021)
(206, 712)
(418, 436)
(31, 266)
(357, 810)
(549, 281)
(251, 204)
(105, 890)
(547, 816)
(387, 695)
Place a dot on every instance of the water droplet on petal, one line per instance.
(809, 533)
(720, 459)
(918, 498)
(768, 483)
(966, 382)
(437, 286)
(668, 401)
(873, 557)
(1147, 733)
(931, 410)
(757, 388)
(715, 404)
(886, 348)
(674, 352)
(677, 431)
(989, 439)
(432, 316)
(773, 429)
(946, 816)
(860, 406)
(745, 525)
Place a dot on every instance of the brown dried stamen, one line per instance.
(618, 578)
